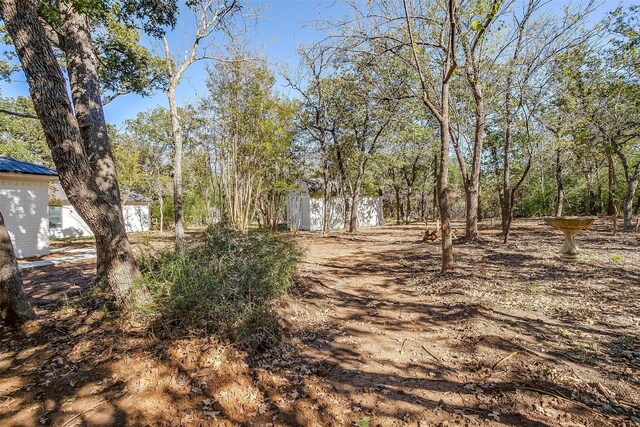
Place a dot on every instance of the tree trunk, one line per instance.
(398, 204)
(325, 198)
(434, 200)
(591, 195)
(14, 303)
(115, 260)
(346, 212)
(79, 145)
(178, 196)
(443, 184)
(161, 214)
(628, 204)
(353, 214)
(506, 193)
(611, 204)
(471, 205)
(506, 173)
(559, 185)
(407, 217)
(599, 193)
(480, 213)
(473, 190)
(631, 175)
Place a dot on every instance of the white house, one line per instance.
(23, 203)
(64, 221)
(304, 211)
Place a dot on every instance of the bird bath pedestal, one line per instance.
(570, 226)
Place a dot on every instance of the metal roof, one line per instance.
(9, 164)
(57, 195)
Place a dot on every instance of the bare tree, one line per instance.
(438, 106)
(533, 45)
(472, 33)
(210, 15)
(316, 121)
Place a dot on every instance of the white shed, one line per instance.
(64, 221)
(304, 212)
(23, 203)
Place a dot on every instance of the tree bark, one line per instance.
(472, 185)
(178, 195)
(611, 202)
(507, 192)
(506, 171)
(353, 214)
(79, 145)
(440, 112)
(355, 196)
(471, 199)
(14, 303)
(628, 204)
(443, 183)
(434, 198)
(407, 217)
(161, 201)
(631, 175)
(559, 185)
(591, 195)
(115, 260)
(398, 203)
(325, 197)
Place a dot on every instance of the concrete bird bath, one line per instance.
(570, 226)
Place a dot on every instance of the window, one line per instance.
(55, 217)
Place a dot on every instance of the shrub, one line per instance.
(223, 283)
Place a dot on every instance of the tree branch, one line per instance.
(18, 114)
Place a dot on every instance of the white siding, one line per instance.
(335, 214)
(72, 225)
(305, 213)
(23, 204)
(136, 218)
(370, 212)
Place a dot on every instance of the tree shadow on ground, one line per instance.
(372, 331)
(349, 348)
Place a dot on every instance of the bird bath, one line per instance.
(570, 226)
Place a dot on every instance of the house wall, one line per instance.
(23, 203)
(297, 211)
(370, 212)
(335, 214)
(136, 219)
(305, 213)
(72, 224)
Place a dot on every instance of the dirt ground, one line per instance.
(372, 335)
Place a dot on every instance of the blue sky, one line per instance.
(282, 26)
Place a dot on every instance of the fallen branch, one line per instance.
(83, 412)
(504, 359)
(430, 354)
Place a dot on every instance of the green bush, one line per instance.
(224, 283)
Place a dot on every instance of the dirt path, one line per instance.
(371, 334)
(392, 341)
